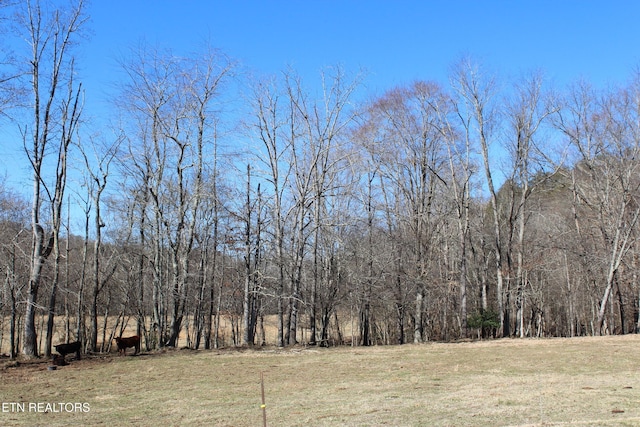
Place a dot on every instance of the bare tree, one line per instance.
(603, 132)
(208, 238)
(455, 130)
(299, 135)
(268, 126)
(173, 103)
(55, 118)
(476, 92)
(14, 219)
(527, 112)
(316, 159)
(98, 174)
(252, 255)
(412, 154)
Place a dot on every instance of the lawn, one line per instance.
(578, 382)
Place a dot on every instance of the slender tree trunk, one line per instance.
(216, 328)
(299, 244)
(176, 315)
(97, 244)
(198, 316)
(30, 340)
(463, 286)
(619, 248)
(12, 328)
(247, 302)
(214, 262)
(141, 312)
(316, 275)
(52, 300)
(419, 307)
(10, 283)
(520, 273)
(208, 330)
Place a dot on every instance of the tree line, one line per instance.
(479, 207)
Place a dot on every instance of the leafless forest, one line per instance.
(479, 206)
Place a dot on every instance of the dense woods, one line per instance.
(477, 207)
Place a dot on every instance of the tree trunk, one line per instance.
(418, 336)
(30, 338)
(10, 283)
(247, 301)
(52, 308)
(619, 249)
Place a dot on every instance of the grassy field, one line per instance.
(577, 382)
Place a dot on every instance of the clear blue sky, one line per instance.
(395, 41)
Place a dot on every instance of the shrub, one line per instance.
(488, 321)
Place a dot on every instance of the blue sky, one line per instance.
(396, 42)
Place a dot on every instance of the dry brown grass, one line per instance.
(577, 382)
(225, 334)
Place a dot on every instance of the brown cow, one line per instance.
(124, 343)
(72, 347)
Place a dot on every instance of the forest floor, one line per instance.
(592, 381)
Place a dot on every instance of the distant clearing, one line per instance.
(577, 382)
